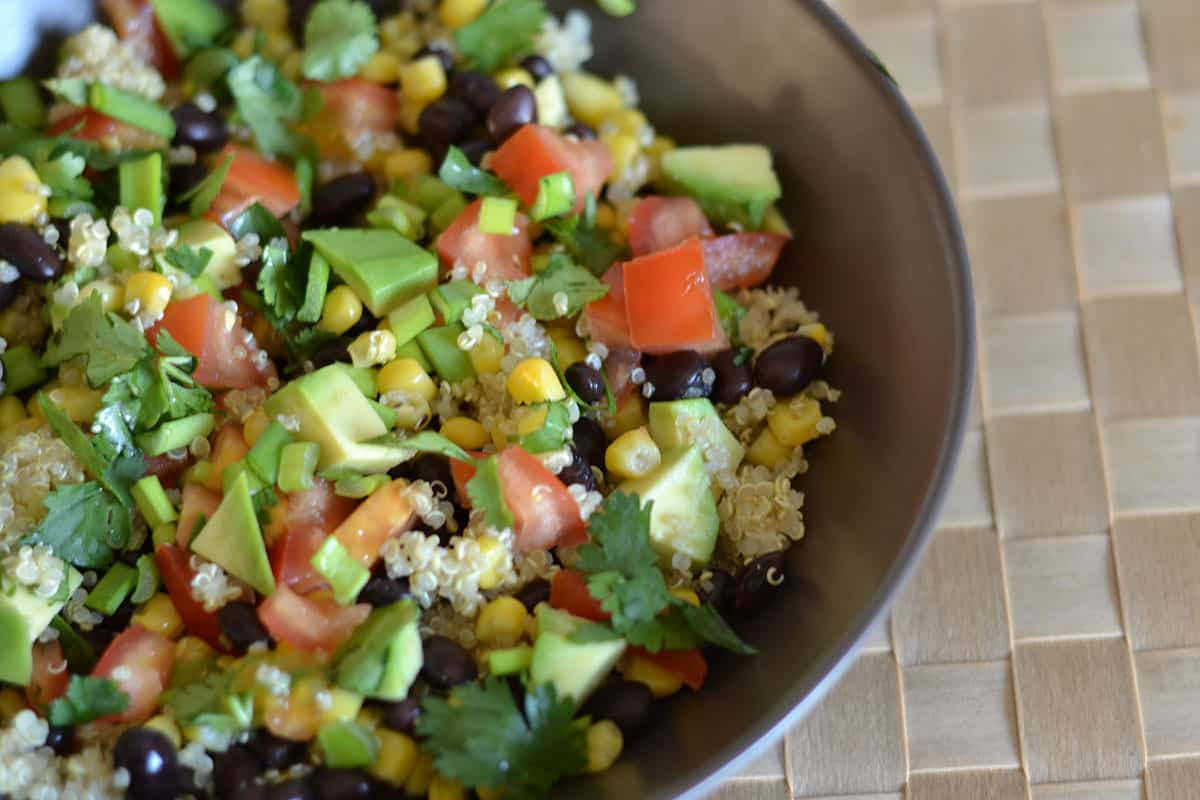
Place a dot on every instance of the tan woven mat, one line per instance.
(1049, 646)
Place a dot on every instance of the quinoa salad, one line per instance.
(387, 409)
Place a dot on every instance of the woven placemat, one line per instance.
(1048, 648)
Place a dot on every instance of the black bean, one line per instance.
(476, 149)
(789, 365)
(236, 769)
(445, 121)
(590, 441)
(475, 89)
(444, 54)
(98, 638)
(383, 591)
(61, 739)
(760, 579)
(337, 350)
(677, 376)
(25, 249)
(275, 752)
(291, 789)
(340, 784)
(182, 178)
(240, 624)
(537, 67)
(719, 595)
(581, 131)
(517, 106)
(447, 663)
(626, 703)
(257, 791)
(401, 715)
(578, 471)
(428, 467)
(8, 293)
(586, 380)
(534, 592)
(199, 130)
(341, 201)
(149, 757)
(732, 380)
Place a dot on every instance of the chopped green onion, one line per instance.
(203, 193)
(345, 573)
(22, 103)
(163, 534)
(152, 501)
(112, 589)
(132, 109)
(556, 195)
(498, 215)
(141, 184)
(147, 579)
(297, 463)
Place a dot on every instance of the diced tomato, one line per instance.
(92, 125)
(671, 281)
(657, 223)
(176, 573)
(137, 25)
(384, 514)
(225, 354)
(618, 371)
(505, 258)
(569, 592)
(291, 559)
(311, 623)
(197, 501)
(228, 446)
(741, 260)
(544, 512)
(507, 311)
(535, 151)
(606, 318)
(352, 110)
(50, 676)
(462, 472)
(253, 179)
(688, 665)
(139, 662)
(168, 470)
(318, 507)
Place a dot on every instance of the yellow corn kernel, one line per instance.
(465, 432)
(532, 420)
(501, 622)
(21, 198)
(12, 411)
(394, 29)
(407, 163)
(496, 559)
(632, 454)
(629, 416)
(383, 67)
(254, 426)
(457, 13)
(11, 702)
(604, 743)
(606, 216)
(151, 291)
(421, 776)
(167, 727)
(397, 756)
(514, 76)
(243, 43)
(372, 348)
(627, 120)
(534, 381)
(406, 375)
(590, 98)
(442, 788)
(487, 354)
(343, 705)
(795, 422)
(79, 402)
(278, 45)
(112, 295)
(767, 451)
(342, 310)
(158, 615)
(269, 15)
(624, 148)
(660, 681)
(819, 334)
(570, 348)
(687, 595)
(192, 648)
(423, 81)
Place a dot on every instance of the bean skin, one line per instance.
(199, 130)
(677, 376)
(590, 441)
(447, 664)
(240, 624)
(732, 380)
(517, 106)
(25, 249)
(534, 592)
(401, 715)
(759, 580)
(150, 759)
(627, 703)
(789, 366)
(445, 121)
(586, 380)
(342, 200)
(475, 89)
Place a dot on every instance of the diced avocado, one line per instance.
(345, 573)
(153, 502)
(333, 413)
(111, 590)
(576, 668)
(430, 192)
(241, 469)
(297, 464)
(453, 298)
(23, 369)
(175, 434)
(189, 23)
(444, 215)
(510, 661)
(382, 267)
(732, 183)
(364, 378)
(413, 350)
(140, 184)
(679, 423)
(233, 540)
(314, 289)
(549, 423)
(382, 657)
(405, 218)
(264, 457)
(440, 345)
(346, 743)
(163, 534)
(684, 517)
(387, 414)
(23, 616)
(408, 320)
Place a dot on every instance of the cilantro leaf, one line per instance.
(709, 625)
(487, 495)
(80, 654)
(115, 463)
(560, 290)
(282, 282)
(110, 344)
(87, 699)
(84, 525)
(63, 173)
(479, 737)
(256, 219)
(267, 101)
(501, 34)
(201, 196)
(426, 442)
(188, 259)
(591, 246)
(159, 388)
(339, 38)
(459, 173)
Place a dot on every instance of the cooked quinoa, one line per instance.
(331, 413)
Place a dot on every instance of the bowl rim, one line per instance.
(807, 694)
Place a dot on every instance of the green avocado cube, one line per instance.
(222, 269)
(382, 657)
(382, 267)
(408, 320)
(364, 378)
(453, 298)
(575, 668)
(233, 540)
(348, 744)
(732, 183)
(440, 346)
(24, 615)
(413, 350)
(683, 519)
(510, 661)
